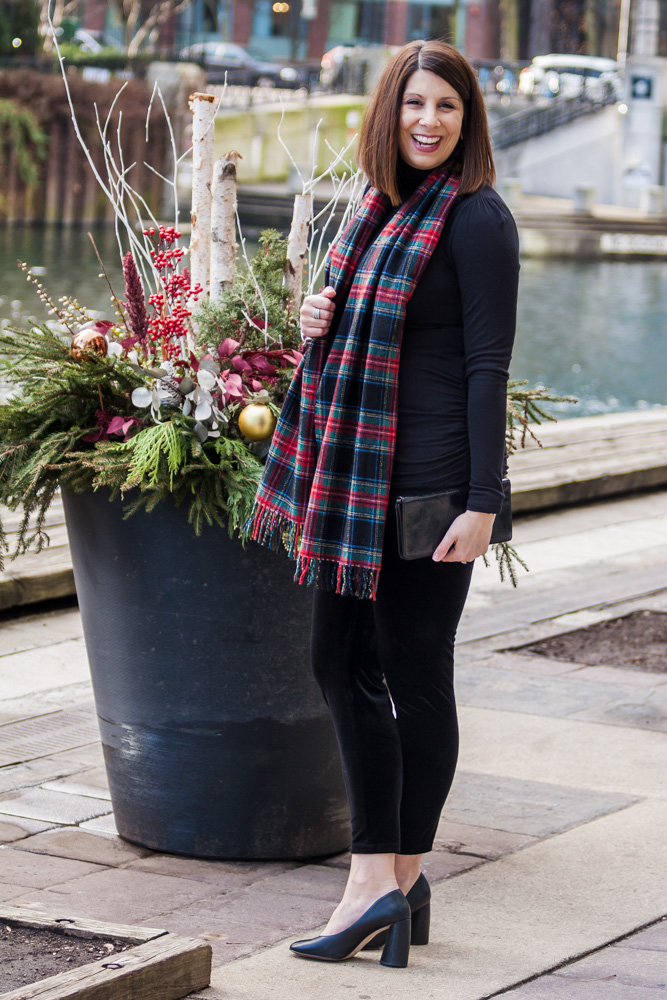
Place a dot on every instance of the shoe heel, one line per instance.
(421, 923)
(396, 950)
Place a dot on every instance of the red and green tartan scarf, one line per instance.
(325, 487)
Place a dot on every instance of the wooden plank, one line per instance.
(574, 471)
(565, 494)
(608, 426)
(166, 968)
(557, 445)
(578, 469)
(556, 451)
(21, 916)
(58, 538)
(11, 519)
(37, 586)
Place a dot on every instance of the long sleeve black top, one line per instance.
(455, 354)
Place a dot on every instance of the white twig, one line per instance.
(314, 152)
(286, 148)
(351, 189)
(254, 280)
(174, 153)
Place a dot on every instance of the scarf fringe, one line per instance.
(346, 580)
(271, 528)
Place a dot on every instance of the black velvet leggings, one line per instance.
(398, 764)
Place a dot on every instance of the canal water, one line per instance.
(596, 330)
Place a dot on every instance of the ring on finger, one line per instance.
(316, 313)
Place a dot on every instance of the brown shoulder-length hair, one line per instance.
(377, 153)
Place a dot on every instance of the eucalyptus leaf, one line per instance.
(201, 432)
(203, 411)
(142, 396)
(206, 379)
(186, 385)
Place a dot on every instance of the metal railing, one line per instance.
(528, 124)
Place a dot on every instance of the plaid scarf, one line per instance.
(325, 487)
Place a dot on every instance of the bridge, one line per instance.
(537, 120)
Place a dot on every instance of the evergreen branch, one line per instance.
(506, 558)
(523, 409)
(154, 446)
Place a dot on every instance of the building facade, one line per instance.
(481, 29)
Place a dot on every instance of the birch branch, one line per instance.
(203, 109)
(297, 248)
(223, 223)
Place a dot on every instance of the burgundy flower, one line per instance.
(108, 425)
(135, 300)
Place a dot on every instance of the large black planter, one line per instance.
(215, 737)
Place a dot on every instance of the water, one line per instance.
(595, 329)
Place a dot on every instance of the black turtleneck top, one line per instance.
(455, 354)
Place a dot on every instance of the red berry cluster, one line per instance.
(168, 324)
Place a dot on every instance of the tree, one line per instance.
(140, 19)
(57, 10)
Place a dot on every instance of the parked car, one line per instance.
(569, 75)
(242, 68)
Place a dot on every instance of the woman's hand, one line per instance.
(468, 537)
(317, 312)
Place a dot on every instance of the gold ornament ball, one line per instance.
(257, 422)
(88, 340)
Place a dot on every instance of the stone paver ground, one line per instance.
(561, 765)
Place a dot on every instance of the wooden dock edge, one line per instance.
(17, 590)
(568, 494)
(160, 966)
(579, 460)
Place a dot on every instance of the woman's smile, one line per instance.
(426, 142)
(430, 121)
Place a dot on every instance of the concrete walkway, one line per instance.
(549, 875)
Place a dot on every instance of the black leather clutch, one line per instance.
(423, 521)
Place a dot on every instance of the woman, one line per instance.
(402, 391)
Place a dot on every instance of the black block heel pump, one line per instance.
(390, 914)
(421, 924)
(419, 900)
(397, 949)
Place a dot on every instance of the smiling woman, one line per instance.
(437, 97)
(431, 121)
(402, 391)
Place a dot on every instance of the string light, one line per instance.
(280, 8)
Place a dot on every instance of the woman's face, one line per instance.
(430, 123)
